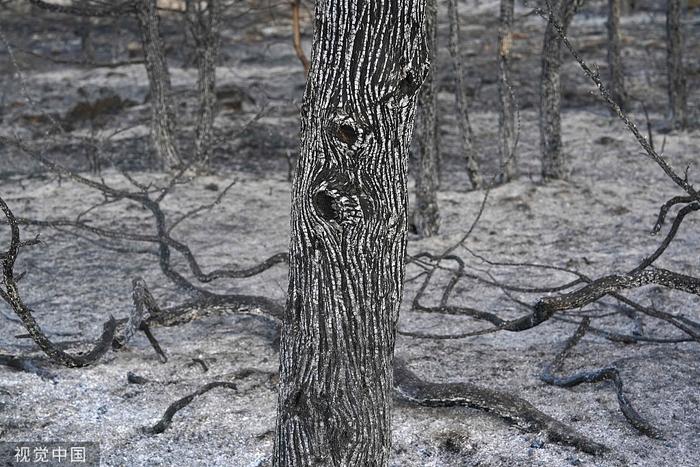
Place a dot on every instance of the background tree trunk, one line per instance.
(205, 21)
(465, 128)
(617, 74)
(162, 118)
(348, 239)
(677, 92)
(506, 117)
(426, 216)
(553, 164)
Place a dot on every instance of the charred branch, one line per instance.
(10, 294)
(595, 376)
(409, 387)
(180, 404)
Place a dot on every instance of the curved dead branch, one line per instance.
(409, 387)
(180, 404)
(614, 283)
(592, 291)
(146, 312)
(11, 295)
(595, 376)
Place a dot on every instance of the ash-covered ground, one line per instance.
(598, 222)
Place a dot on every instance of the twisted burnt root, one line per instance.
(410, 388)
(595, 376)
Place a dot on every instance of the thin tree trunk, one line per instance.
(617, 74)
(205, 23)
(465, 128)
(87, 46)
(162, 119)
(296, 36)
(553, 164)
(348, 237)
(506, 117)
(677, 91)
(426, 216)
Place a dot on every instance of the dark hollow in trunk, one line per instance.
(348, 233)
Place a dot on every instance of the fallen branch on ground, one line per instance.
(180, 404)
(520, 412)
(595, 376)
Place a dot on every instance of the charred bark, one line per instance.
(677, 90)
(553, 164)
(506, 117)
(616, 71)
(162, 118)
(426, 216)
(204, 22)
(348, 238)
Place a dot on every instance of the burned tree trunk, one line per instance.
(465, 128)
(426, 216)
(677, 92)
(348, 239)
(506, 117)
(204, 22)
(553, 164)
(162, 118)
(617, 75)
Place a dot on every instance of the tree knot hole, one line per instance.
(338, 207)
(344, 132)
(324, 205)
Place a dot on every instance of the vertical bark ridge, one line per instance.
(348, 237)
